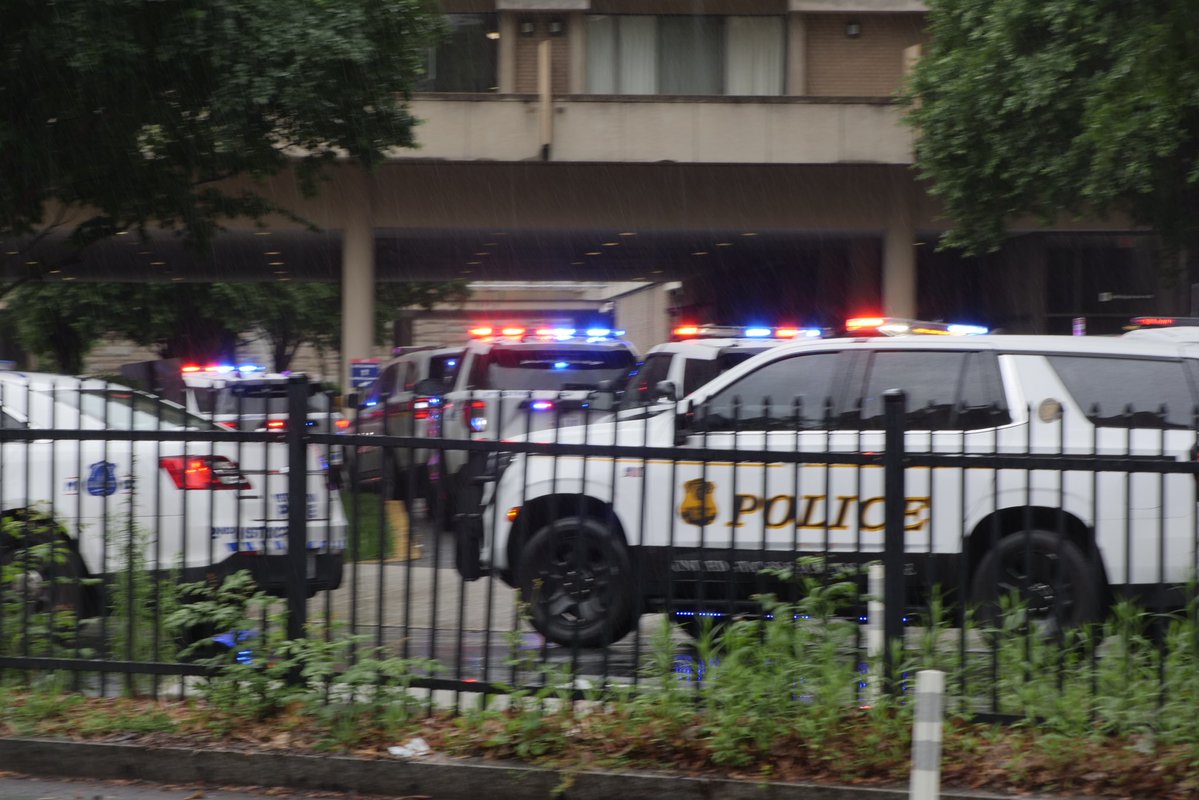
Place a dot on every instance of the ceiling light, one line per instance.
(262, 233)
(655, 272)
(158, 263)
(749, 234)
(484, 253)
(577, 263)
(122, 233)
(493, 35)
(466, 272)
(55, 271)
(176, 280)
(611, 244)
(724, 244)
(594, 253)
(69, 278)
(491, 244)
(280, 272)
(277, 263)
(473, 263)
(31, 263)
(628, 233)
(143, 252)
(14, 252)
(272, 253)
(700, 253)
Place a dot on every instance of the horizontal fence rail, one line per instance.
(516, 557)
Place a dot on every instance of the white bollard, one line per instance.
(926, 735)
(874, 632)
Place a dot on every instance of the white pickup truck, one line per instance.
(513, 382)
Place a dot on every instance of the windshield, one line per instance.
(125, 409)
(640, 390)
(555, 369)
(262, 400)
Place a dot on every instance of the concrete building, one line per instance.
(748, 154)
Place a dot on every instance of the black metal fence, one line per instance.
(578, 542)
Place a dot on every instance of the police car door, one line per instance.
(739, 516)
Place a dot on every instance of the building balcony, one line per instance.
(650, 129)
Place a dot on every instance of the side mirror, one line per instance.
(666, 390)
(603, 397)
(430, 387)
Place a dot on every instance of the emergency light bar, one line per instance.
(487, 333)
(736, 332)
(220, 369)
(1162, 322)
(892, 326)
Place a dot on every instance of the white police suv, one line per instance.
(594, 540)
(201, 508)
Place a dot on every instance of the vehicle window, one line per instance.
(639, 391)
(697, 372)
(8, 421)
(946, 390)
(559, 368)
(788, 394)
(409, 376)
(204, 397)
(1128, 392)
(444, 367)
(263, 399)
(124, 409)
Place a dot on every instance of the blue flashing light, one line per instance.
(453, 362)
(598, 333)
(563, 333)
(561, 365)
(811, 333)
(542, 405)
(756, 333)
(223, 369)
(249, 368)
(478, 424)
(958, 329)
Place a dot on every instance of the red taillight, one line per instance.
(860, 323)
(204, 472)
(276, 424)
(342, 424)
(474, 414)
(421, 407)
(228, 425)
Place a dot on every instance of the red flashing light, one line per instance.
(687, 330)
(276, 424)
(786, 333)
(484, 331)
(513, 331)
(204, 472)
(342, 424)
(1154, 322)
(191, 368)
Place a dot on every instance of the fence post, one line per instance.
(874, 631)
(925, 782)
(895, 499)
(297, 506)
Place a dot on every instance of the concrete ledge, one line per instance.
(440, 778)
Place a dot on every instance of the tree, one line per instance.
(132, 113)
(60, 321)
(1028, 107)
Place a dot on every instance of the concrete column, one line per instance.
(797, 55)
(899, 250)
(576, 32)
(506, 62)
(357, 273)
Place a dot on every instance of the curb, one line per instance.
(442, 780)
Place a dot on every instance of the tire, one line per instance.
(1061, 590)
(45, 584)
(577, 579)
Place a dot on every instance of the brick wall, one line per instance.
(526, 55)
(868, 66)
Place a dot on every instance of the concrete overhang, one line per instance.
(543, 5)
(857, 6)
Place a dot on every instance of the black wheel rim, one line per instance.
(576, 580)
(1043, 585)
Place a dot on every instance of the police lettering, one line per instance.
(816, 512)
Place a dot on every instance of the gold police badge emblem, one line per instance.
(698, 507)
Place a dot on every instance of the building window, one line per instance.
(465, 60)
(685, 55)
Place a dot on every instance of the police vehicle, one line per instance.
(593, 542)
(246, 397)
(205, 508)
(697, 354)
(405, 400)
(513, 382)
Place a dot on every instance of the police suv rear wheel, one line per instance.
(44, 575)
(577, 579)
(1048, 575)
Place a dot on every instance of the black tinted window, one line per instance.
(946, 390)
(557, 368)
(697, 372)
(639, 391)
(443, 368)
(1128, 392)
(790, 393)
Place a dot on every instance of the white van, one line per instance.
(592, 542)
